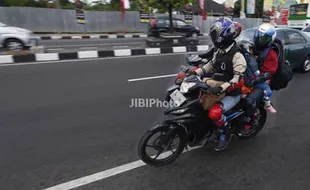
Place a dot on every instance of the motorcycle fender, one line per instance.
(167, 124)
(162, 124)
(173, 87)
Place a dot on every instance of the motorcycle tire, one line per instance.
(259, 127)
(144, 141)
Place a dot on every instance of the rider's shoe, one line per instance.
(223, 142)
(225, 138)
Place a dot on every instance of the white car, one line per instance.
(14, 38)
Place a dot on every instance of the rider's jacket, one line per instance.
(231, 63)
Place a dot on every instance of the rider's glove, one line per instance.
(216, 90)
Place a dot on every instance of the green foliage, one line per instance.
(25, 3)
(114, 5)
(237, 9)
(134, 6)
(161, 5)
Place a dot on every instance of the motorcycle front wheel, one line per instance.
(162, 145)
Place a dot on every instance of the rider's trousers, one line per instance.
(229, 102)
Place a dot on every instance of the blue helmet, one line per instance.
(264, 36)
(222, 32)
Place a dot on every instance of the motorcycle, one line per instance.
(190, 123)
(194, 62)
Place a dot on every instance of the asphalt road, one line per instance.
(54, 46)
(61, 121)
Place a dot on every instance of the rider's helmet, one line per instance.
(222, 32)
(247, 46)
(264, 36)
(238, 27)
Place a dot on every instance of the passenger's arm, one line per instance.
(262, 78)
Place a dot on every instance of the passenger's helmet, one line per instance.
(238, 27)
(264, 36)
(247, 46)
(222, 32)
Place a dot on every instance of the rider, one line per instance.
(232, 64)
(264, 37)
(210, 53)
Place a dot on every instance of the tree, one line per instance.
(25, 3)
(134, 6)
(115, 5)
(163, 5)
(237, 8)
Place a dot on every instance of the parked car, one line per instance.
(14, 38)
(161, 24)
(296, 46)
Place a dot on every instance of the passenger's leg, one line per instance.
(267, 96)
(251, 101)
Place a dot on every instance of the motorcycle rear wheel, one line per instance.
(261, 123)
(143, 144)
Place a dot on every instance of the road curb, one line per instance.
(116, 36)
(40, 57)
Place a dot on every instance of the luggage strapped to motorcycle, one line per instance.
(206, 99)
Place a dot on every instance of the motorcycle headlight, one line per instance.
(186, 86)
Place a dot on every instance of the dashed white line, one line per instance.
(106, 174)
(149, 78)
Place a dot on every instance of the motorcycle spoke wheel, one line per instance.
(165, 152)
(162, 149)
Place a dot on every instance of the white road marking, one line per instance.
(155, 77)
(56, 37)
(76, 37)
(112, 36)
(202, 48)
(106, 174)
(6, 59)
(179, 49)
(87, 54)
(47, 56)
(91, 59)
(150, 51)
(94, 36)
(122, 52)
